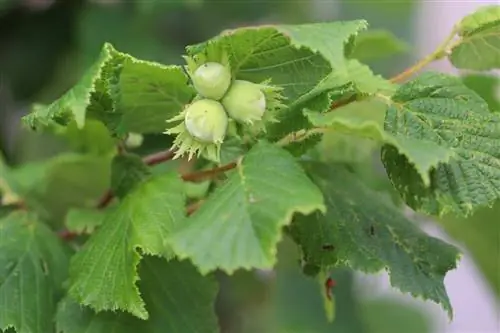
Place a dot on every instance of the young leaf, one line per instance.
(361, 119)
(439, 109)
(95, 91)
(143, 220)
(296, 57)
(81, 221)
(151, 93)
(370, 234)
(479, 45)
(127, 171)
(178, 299)
(240, 224)
(33, 265)
(377, 44)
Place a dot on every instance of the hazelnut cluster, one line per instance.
(221, 102)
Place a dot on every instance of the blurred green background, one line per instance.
(46, 45)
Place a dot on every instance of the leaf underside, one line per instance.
(366, 232)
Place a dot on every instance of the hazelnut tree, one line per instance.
(132, 247)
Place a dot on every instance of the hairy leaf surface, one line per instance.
(368, 233)
(103, 274)
(439, 109)
(240, 224)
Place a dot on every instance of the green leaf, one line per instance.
(83, 221)
(240, 224)
(440, 109)
(480, 233)
(33, 265)
(368, 233)
(151, 93)
(177, 296)
(143, 220)
(93, 138)
(95, 92)
(365, 81)
(68, 180)
(479, 45)
(487, 86)
(365, 119)
(128, 170)
(296, 57)
(377, 44)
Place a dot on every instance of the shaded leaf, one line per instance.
(142, 221)
(370, 234)
(439, 109)
(33, 266)
(65, 181)
(127, 171)
(177, 298)
(376, 44)
(240, 224)
(486, 86)
(480, 233)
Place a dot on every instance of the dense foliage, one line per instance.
(143, 256)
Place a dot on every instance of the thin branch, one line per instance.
(67, 235)
(190, 209)
(207, 174)
(301, 135)
(105, 200)
(439, 53)
(159, 157)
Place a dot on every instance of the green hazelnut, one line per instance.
(212, 80)
(206, 121)
(245, 102)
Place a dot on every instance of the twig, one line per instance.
(190, 209)
(205, 174)
(300, 135)
(67, 235)
(105, 200)
(342, 102)
(439, 53)
(159, 157)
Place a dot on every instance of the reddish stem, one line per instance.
(67, 235)
(194, 207)
(202, 175)
(159, 157)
